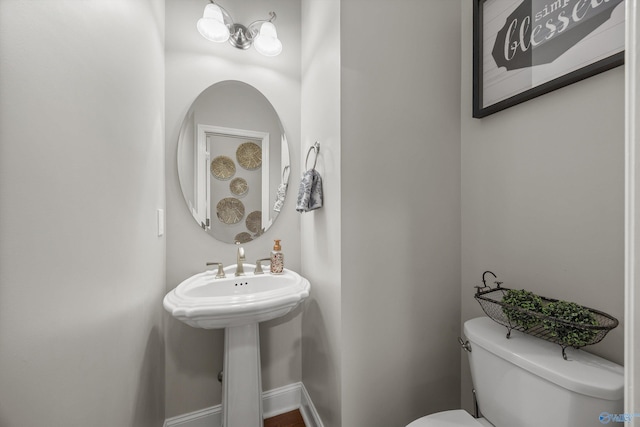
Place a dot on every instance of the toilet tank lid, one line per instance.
(583, 372)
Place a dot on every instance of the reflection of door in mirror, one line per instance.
(232, 182)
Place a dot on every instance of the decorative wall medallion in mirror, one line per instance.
(232, 145)
(230, 210)
(239, 186)
(254, 219)
(249, 156)
(223, 168)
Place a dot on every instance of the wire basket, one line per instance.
(490, 300)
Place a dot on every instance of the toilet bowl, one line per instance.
(524, 381)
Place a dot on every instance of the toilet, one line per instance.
(523, 381)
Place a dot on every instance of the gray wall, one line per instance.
(321, 229)
(543, 197)
(194, 356)
(81, 177)
(632, 88)
(400, 221)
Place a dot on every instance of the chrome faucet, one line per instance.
(240, 259)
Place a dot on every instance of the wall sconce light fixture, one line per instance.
(217, 26)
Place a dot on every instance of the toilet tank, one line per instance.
(523, 381)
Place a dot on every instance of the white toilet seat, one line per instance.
(455, 418)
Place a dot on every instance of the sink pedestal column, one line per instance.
(242, 383)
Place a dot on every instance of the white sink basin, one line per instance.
(238, 304)
(202, 301)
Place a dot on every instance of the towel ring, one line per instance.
(315, 147)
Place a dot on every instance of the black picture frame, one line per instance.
(574, 30)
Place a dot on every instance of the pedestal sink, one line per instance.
(238, 304)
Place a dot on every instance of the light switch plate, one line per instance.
(160, 222)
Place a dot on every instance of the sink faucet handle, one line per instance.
(258, 269)
(220, 274)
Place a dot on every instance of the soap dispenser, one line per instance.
(277, 259)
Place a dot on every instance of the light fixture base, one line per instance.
(240, 37)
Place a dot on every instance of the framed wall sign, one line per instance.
(525, 48)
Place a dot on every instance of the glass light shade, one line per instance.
(211, 26)
(266, 42)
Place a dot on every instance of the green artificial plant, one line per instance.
(569, 312)
(525, 300)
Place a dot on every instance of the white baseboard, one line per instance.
(207, 417)
(274, 402)
(308, 411)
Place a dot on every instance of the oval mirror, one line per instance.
(233, 162)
